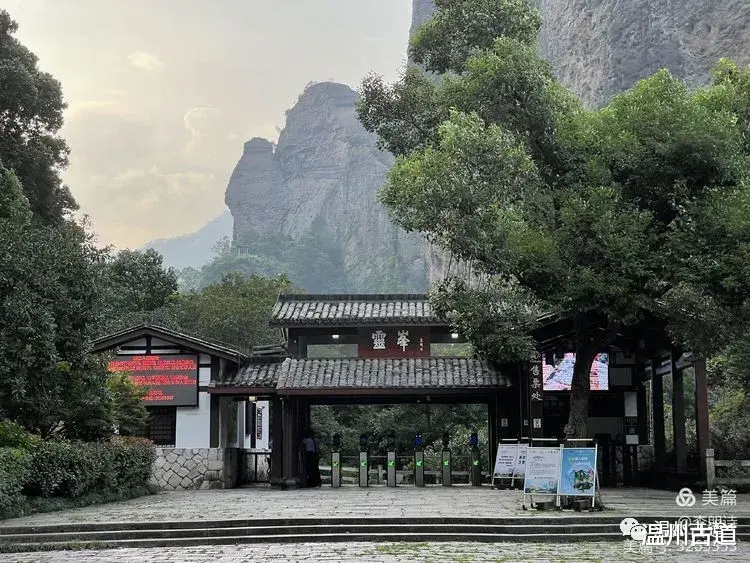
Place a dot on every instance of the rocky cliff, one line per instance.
(321, 180)
(601, 47)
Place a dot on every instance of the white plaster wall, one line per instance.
(194, 424)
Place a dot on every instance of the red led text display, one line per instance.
(170, 380)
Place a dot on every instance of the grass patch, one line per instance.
(36, 505)
(64, 546)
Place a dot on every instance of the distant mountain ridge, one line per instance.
(193, 249)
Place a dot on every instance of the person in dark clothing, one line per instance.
(312, 461)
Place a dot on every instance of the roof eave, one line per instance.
(111, 341)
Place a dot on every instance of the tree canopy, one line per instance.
(31, 114)
(610, 216)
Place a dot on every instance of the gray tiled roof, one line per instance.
(405, 373)
(353, 310)
(257, 375)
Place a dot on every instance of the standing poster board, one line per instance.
(510, 463)
(542, 474)
(505, 461)
(578, 472)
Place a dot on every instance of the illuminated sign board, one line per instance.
(171, 380)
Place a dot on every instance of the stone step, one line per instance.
(154, 534)
(325, 538)
(566, 519)
(393, 527)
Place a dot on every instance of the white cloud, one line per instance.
(145, 61)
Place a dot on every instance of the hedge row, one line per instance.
(71, 470)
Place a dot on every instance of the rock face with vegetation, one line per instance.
(319, 183)
(599, 48)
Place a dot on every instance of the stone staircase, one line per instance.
(303, 530)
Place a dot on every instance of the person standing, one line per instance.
(312, 461)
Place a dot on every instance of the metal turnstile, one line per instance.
(391, 470)
(419, 468)
(335, 469)
(445, 466)
(364, 464)
(476, 469)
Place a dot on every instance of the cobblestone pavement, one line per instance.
(371, 502)
(386, 552)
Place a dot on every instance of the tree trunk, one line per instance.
(587, 348)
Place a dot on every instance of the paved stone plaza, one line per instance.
(385, 552)
(353, 501)
(372, 502)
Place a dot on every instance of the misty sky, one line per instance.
(162, 94)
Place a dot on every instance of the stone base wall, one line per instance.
(645, 458)
(196, 468)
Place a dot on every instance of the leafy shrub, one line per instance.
(14, 469)
(72, 469)
(13, 435)
(132, 461)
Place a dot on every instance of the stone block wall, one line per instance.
(196, 468)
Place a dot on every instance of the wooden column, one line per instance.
(701, 414)
(492, 429)
(657, 392)
(678, 415)
(276, 436)
(290, 426)
(640, 380)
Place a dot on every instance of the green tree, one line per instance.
(129, 414)
(31, 114)
(134, 283)
(48, 301)
(605, 216)
(236, 311)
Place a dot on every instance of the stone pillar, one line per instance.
(703, 431)
(657, 395)
(678, 415)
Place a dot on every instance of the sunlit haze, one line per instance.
(163, 94)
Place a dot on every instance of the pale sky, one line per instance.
(162, 94)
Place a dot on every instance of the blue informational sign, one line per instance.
(578, 472)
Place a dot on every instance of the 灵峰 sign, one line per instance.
(170, 380)
(578, 472)
(394, 342)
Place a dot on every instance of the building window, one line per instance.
(161, 428)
